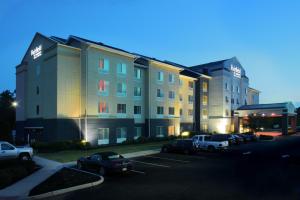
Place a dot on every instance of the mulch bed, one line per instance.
(12, 171)
(64, 178)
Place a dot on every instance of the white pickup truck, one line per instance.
(206, 143)
(9, 151)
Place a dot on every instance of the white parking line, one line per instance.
(170, 159)
(152, 164)
(139, 172)
(285, 156)
(247, 153)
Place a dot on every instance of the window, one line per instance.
(191, 99)
(121, 134)
(160, 131)
(103, 65)
(237, 101)
(121, 108)
(231, 88)
(121, 68)
(238, 89)
(171, 78)
(246, 91)
(226, 86)
(37, 110)
(137, 73)
(205, 86)
(102, 86)
(204, 127)
(204, 114)
(171, 95)
(159, 93)
(121, 89)
(103, 136)
(160, 76)
(180, 111)
(190, 112)
(191, 85)
(38, 70)
(180, 97)
(171, 130)
(137, 110)
(37, 90)
(137, 132)
(227, 112)
(171, 111)
(232, 101)
(226, 99)
(180, 82)
(137, 92)
(160, 110)
(6, 147)
(204, 100)
(103, 107)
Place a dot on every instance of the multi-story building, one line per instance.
(81, 89)
(228, 90)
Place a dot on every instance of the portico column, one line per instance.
(284, 122)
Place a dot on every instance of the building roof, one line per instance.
(207, 65)
(286, 105)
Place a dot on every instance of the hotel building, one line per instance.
(81, 89)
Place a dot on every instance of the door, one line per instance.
(8, 151)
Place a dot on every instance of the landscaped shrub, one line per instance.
(60, 146)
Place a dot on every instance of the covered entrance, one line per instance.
(33, 134)
(269, 119)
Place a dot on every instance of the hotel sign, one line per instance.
(237, 72)
(36, 52)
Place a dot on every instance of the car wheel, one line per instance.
(79, 165)
(211, 148)
(165, 150)
(24, 157)
(102, 171)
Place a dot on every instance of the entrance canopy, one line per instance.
(267, 110)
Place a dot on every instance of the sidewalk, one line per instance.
(21, 189)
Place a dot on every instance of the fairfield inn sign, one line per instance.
(36, 52)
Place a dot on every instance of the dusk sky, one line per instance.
(263, 35)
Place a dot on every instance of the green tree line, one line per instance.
(7, 114)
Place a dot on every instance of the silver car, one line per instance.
(9, 151)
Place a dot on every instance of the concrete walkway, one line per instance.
(21, 189)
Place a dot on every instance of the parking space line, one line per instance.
(139, 172)
(285, 156)
(247, 153)
(170, 159)
(152, 164)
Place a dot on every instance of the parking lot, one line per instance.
(203, 176)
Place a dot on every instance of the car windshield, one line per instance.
(111, 156)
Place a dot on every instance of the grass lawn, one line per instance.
(73, 155)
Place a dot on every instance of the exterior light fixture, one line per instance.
(14, 104)
(185, 133)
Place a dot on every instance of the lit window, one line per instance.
(121, 68)
(137, 92)
(171, 94)
(103, 65)
(121, 134)
(191, 84)
(204, 98)
(121, 89)
(191, 99)
(205, 86)
(171, 111)
(137, 110)
(171, 78)
(102, 86)
(204, 114)
(160, 110)
(159, 93)
(137, 73)
(171, 130)
(121, 108)
(103, 107)
(160, 76)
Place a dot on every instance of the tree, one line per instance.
(298, 116)
(8, 114)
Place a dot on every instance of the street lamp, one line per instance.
(14, 104)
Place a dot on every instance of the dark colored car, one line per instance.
(105, 162)
(239, 138)
(179, 146)
(250, 137)
(224, 137)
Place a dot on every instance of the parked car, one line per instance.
(104, 163)
(9, 151)
(238, 138)
(224, 137)
(206, 142)
(250, 137)
(179, 146)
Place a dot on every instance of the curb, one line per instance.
(70, 189)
